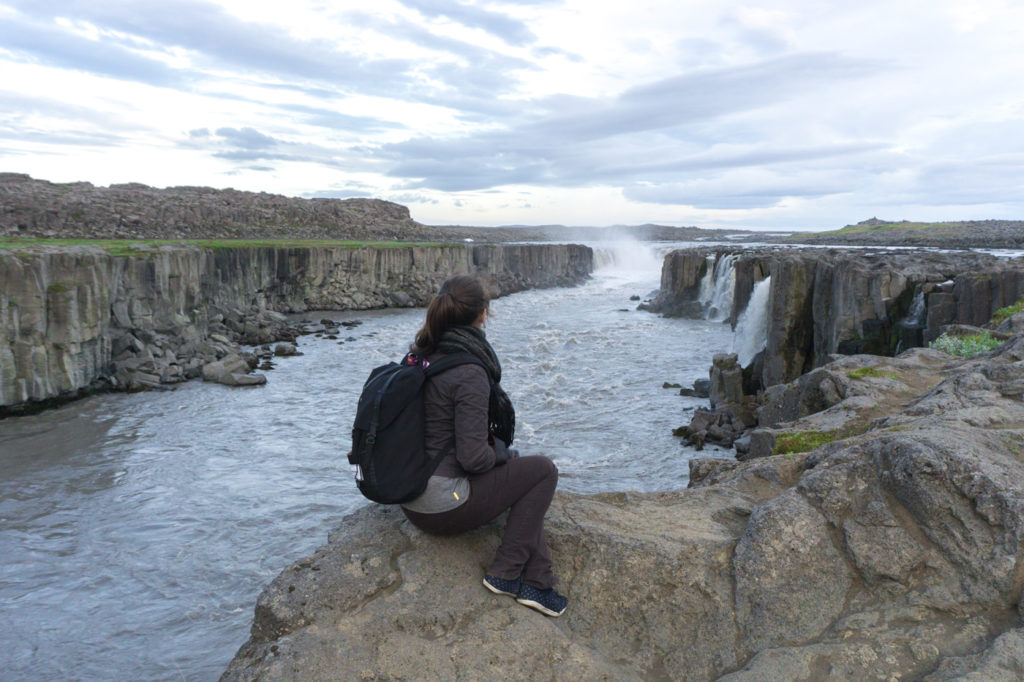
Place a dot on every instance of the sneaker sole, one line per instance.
(495, 590)
(540, 607)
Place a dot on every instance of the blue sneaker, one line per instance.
(502, 586)
(548, 602)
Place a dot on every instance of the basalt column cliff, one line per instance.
(825, 301)
(79, 319)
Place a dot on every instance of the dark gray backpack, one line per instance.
(388, 450)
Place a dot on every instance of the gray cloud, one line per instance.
(339, 194)
(247, 138)
(58, 47)
(729, 194)
(572, 141)
(16, 107)
(509, 29)
(218, 39)
(703, 95)
(413, 198)
(74, 138)
(986, 180)
(248, 146)
(337, 120)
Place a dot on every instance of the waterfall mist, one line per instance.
(752, 326)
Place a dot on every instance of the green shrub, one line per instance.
(1009, 311)
(965, 346)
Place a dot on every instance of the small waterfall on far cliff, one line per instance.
(752, 326)
(916, 317)
(717, 288)
(707, 282)
(910, 328)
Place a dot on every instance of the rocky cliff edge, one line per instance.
(895, 553)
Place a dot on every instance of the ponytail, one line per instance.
(458, 302)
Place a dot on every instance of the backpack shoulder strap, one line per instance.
(452, 360)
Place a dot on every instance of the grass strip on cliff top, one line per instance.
(129, 247)
(881, 227)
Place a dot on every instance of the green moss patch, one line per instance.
(805, 441)
(1009, 311)
(60, 287)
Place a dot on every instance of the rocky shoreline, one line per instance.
(893, 553)
(78, 320)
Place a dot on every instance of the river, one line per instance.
(137, 530)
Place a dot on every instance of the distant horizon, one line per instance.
(773, 116)
(513, 226)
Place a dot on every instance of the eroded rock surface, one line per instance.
(892, 554)
(79, 319)
(827, 301)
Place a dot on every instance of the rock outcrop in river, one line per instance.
(79, 319)
(896, 552)
(825, 301)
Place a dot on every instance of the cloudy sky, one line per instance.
(783, 114)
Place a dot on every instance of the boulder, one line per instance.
(233, 370)
(1013, 324)
(894, 553)
(286, 350)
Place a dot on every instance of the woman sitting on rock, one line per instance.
(469, 422)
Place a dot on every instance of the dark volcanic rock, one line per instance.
(826, 301)
(896, 553)
(169, 310)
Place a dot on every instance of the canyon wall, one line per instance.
(825, 301)
(72, 318)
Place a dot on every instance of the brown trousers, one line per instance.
(525, 487)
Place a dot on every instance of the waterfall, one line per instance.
(707, 283)
(717, 288)
(910, 328)
(752, 326)
(627, 256)
(915, 319)
(603, 258)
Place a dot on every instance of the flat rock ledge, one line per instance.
(895, 554)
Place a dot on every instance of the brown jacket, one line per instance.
(455, 403)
